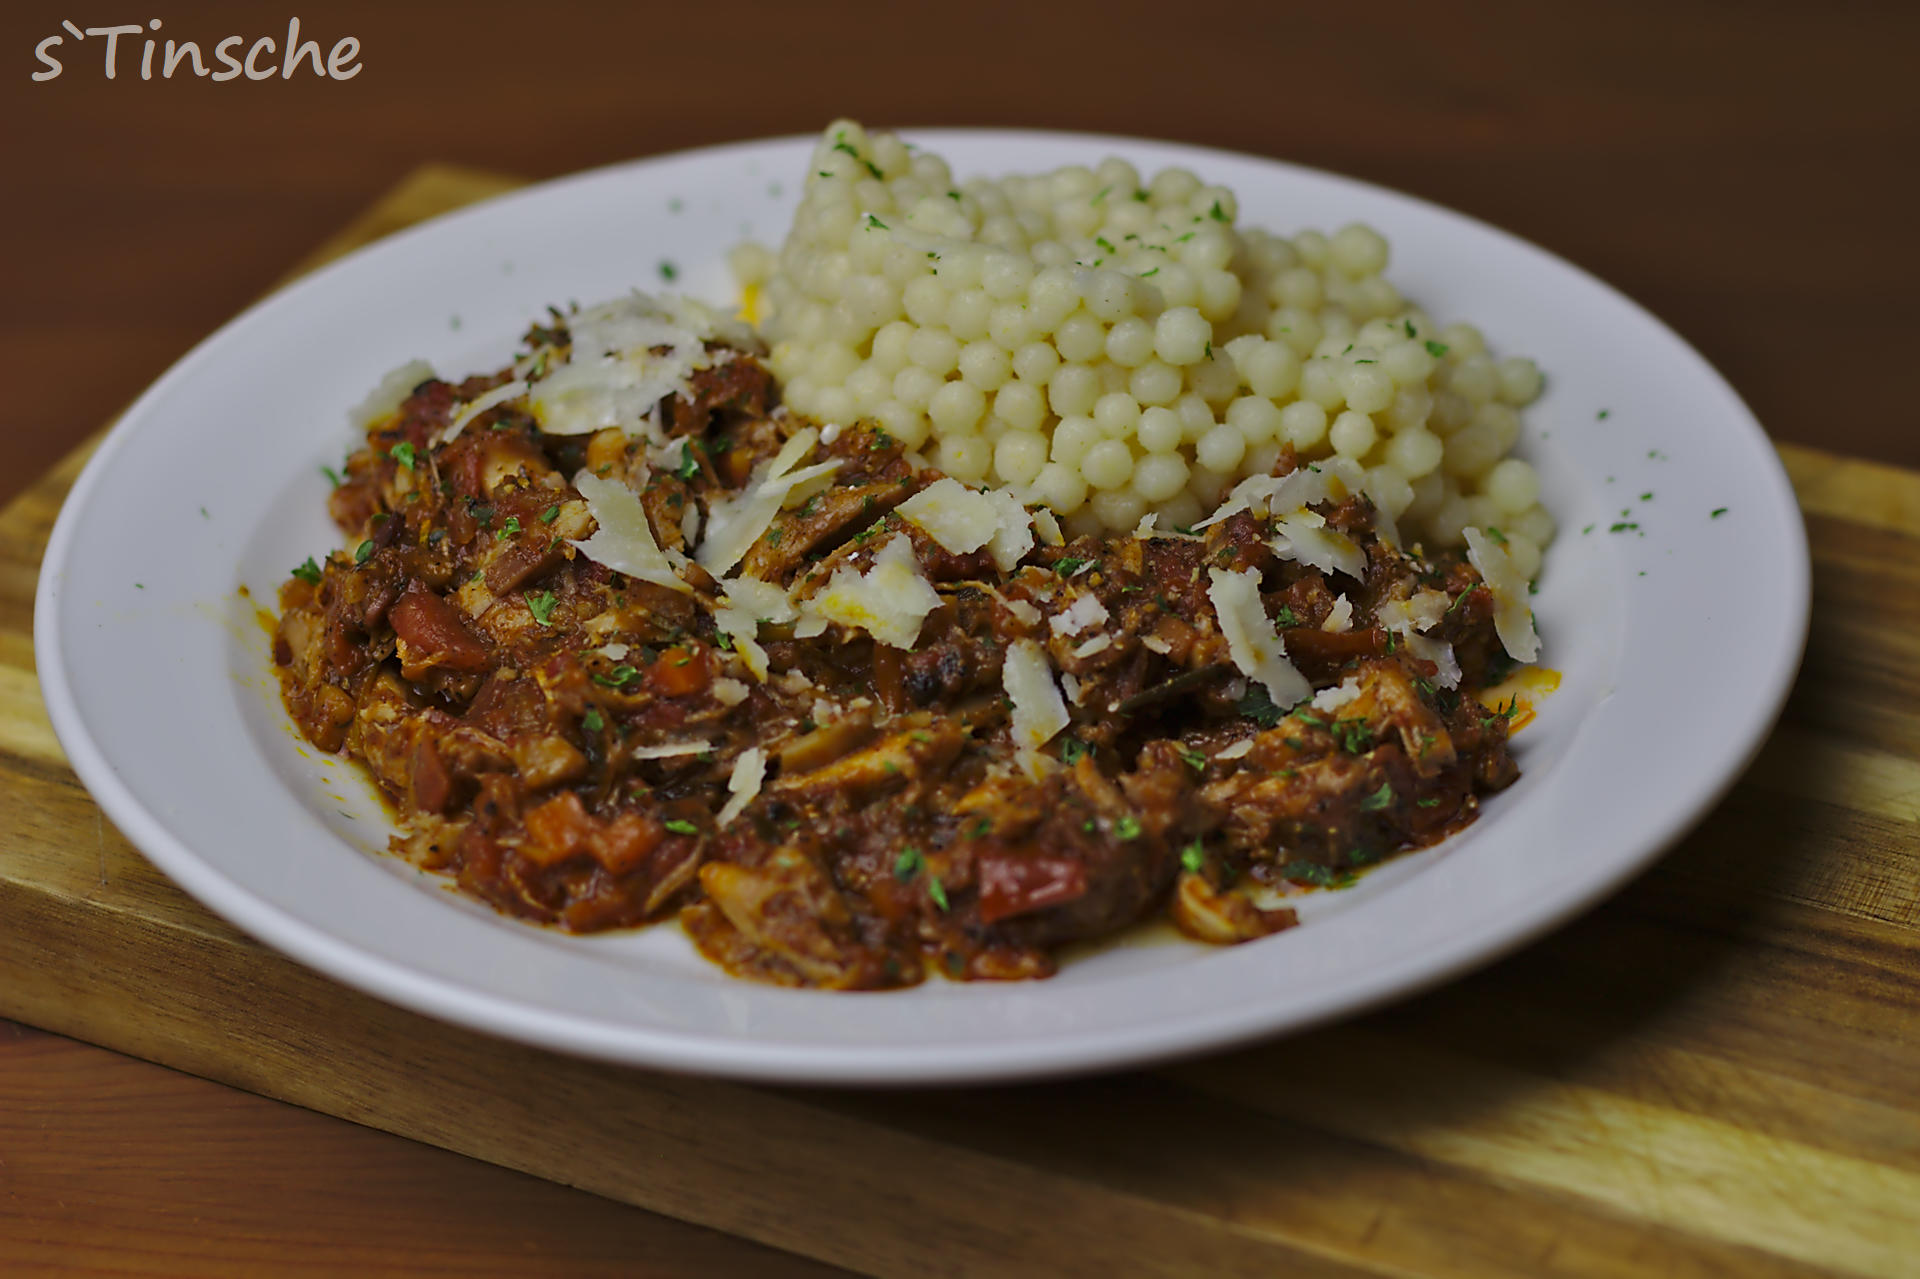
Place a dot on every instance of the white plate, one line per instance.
(1678, 644)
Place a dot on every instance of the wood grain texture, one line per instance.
(1715, 1073)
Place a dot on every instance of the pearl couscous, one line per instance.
(1113, 346)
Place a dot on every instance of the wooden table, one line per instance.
(1715, 1073)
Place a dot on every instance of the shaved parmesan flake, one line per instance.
(735, 523)
(729, 692)
(954, 516)
(1048, 526)
(749, 772)
(1512, 613)
(888, 601)
(1098, 644)
(1341, 617)
(389, 394)
(1024, 611)
(613, 652)
(1243, 497)
(1256, 648)
(1086, 610)
(741, 626)
(1332, 699)
(624, 541)
(1075, 693)
(626, 356)
(1440, 653)
(667, 750)
(1155, 644)
(498, 395)
(1012, 532)
(1420, 612)
(767, 601)
(1039, 712)
(809, 626)
(1305, 538)
(1144, 529)
(1238, 750)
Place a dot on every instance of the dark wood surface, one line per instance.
(1744, 170)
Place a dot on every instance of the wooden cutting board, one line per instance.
(1715, 1073)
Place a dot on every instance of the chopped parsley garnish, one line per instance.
(668, 271)
(1193, 856)
(618, 677)
(1408, 326)
(1100, 195)
(1196, 760)
(1496, 535)
(510, 527)
(872, 168)
(1141, 196)
(1145, 274)
(333, 476)
(308, 572)
(362, 551)
(1104, 243)
(1309, 873)
(1717, 512)
(1259, 707)
(1127, 827)
(551, 514)
(1436, 349)
(1427, 803)
(689, 464)
(1286, 617)
(1378, 800)
(681, 826)
(1355, 735)
(981, 829)
(875, 224)
(403, 454)
(937, 891)
(540, 604)
(1623, 526)
(1601, 416)
(1217, 213)
(1647, 496)
(593, 721)
(1072, 748)
(907, 864)
(1068, 565)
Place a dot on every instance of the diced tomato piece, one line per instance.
(1011, 884)
(430, 624)
(681, 671)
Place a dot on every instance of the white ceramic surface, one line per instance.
(1678, 642)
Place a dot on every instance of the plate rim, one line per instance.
(1032, 1056)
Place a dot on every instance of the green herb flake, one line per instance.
(1193, 856)
(681, 826)
(1145, 274)
(1427, 803)
(875, 224)
(1286, 617)
(937, 891)
(540, 604)
(1127, 827)
(1196, 760)
(1217, 213)
(593, 721)
(1068, 565)
(308, 572)
(1717, 512)
(403, 454)
(1309, 873)
(1496, 535)
(551, 514)
(1258, 706)
(1382, 798)
(689, 464)
(1100, 195)
(1072, 749)
(363, 551)
(1436, 349)
(1601, 416)
(333, 476)
(668, 271)
(1647, 496)
(507, 529)
(908, 864)
(618, 677)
